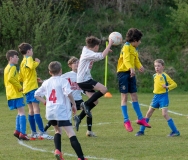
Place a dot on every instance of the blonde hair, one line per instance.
(72, 60)
(54, 67)
(161, 61)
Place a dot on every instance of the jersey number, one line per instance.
(53, 96)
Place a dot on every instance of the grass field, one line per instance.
(113, 141)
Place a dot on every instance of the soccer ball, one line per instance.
(116, 38)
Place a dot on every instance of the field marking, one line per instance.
(67, 154)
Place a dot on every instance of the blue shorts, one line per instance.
(160, 101)
(126, 83)
(16, 103)
(30, 97)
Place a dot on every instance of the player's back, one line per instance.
(56, 91)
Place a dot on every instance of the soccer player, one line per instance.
(14, 94)
(28, 76)
(85, 81)
(128, 61)
(57, 92)
(162, 85)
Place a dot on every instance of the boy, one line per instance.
(127, 62)
(28, 76)
(58, 96)
(85, 81)
(162, 84)
(77, 95)
(14, 94)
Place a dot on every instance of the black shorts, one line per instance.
(61, 123)
(88, 85)
(78, 104)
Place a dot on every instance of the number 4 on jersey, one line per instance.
(53, 96)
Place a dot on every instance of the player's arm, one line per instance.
(127, 59)
(32, 64)
(171, 83)
(73, 103)
(12, 79)
(138, 64)
(39, 94)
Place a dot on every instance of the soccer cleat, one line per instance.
(76, 122)
(139, 133)
(58, 155)
(44, 135)
(90, 134)
(81, 159)
(174, 134)
(143, 123)
(86, 109)
(33, 136)
(128, 126)
(23, 137)
(16, 134)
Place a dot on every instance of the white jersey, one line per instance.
(85, 64)
(56, 91)
(76, 91)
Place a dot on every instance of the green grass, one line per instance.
(113, 141)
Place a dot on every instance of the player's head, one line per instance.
(159, 65)
(25, 49)
(55, 68)
(134, 36)
(93, 43)
(12, 56)
(73, 63)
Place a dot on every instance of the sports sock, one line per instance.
(57, 141)
(32, 123)
(89, 123)
(142, 128)
(18, 123)
(47, 126)
(172, 125)
(39, 122)
(137, 110)
(93, 98)
(76, 146)
(82, 114)
(22, 124)
(124, 112)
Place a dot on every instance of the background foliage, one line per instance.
(57, 30)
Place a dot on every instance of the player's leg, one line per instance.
(74, 142)
(171, 124)
(136, 107)
(47, 126)
(147, 118)
(57, 140)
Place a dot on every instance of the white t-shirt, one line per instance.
(56, 91)
(85, 64)
(76, 91)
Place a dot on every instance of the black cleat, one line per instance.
(86, 109)
(76, 122)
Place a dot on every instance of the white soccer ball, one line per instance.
(116, 38)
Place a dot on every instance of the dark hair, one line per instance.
(11, 53)
(72, 60)
(54, 67)
(133, 35)
(161, 61)
(24, 47)
(92, 41)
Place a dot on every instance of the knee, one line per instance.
(104, 90)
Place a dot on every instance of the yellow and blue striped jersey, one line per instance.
(128, 58)
(160, 80)
(12, 83)
(28, 74)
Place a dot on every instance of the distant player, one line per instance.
(57, 92)
(14, 94)
(28, 76)
(85, 81)
(128, 61)
(162, 85)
